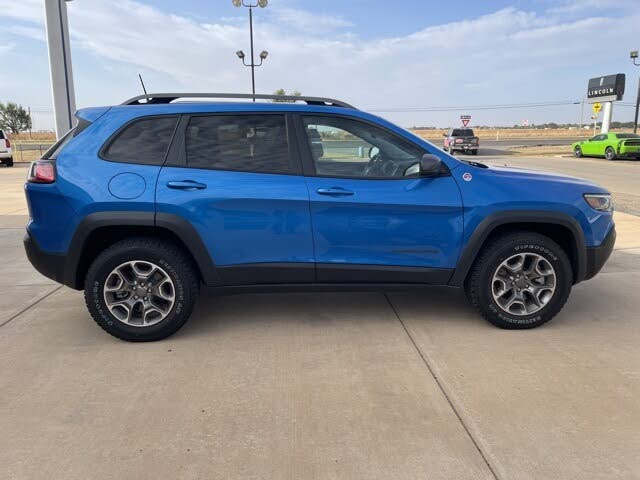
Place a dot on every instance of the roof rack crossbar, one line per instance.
(164, 98)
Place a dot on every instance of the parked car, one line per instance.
(609, 146)
(6, 154)
(461, 140)
(144, 203)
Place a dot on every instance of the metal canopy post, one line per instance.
(64, 100)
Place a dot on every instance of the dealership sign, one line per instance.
(606, 89)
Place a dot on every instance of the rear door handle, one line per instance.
(188, 185)
(335, 192)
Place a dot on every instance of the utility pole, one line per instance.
(30, 122)
(634, 56)
(64, 99)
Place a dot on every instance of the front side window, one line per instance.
(145, 141)
(343, 147)
(248, 143)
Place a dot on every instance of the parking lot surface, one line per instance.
(332, 385)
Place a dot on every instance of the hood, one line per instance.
(526, 174)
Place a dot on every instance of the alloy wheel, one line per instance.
(523, 284)
(139, 293)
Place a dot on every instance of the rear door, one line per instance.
(370, 222)
(237, 179)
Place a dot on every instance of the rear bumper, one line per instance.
(4, 155)
(598, 256)
(50, 265)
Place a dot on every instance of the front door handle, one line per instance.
(188, 185)
(335, 192)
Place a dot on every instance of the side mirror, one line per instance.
(429, 166)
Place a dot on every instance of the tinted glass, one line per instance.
(1, 134)
(619, 135)
(145, 141)
(462, 132)
(343, 147)
(250, 143)
(57, 147)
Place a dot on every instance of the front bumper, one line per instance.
(464, 146)
(51, 265)
(598, 256)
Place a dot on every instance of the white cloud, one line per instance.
(509, 56)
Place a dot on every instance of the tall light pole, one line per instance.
(263, 56)
(634, 57)
(64, 98)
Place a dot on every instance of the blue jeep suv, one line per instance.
(142, 204)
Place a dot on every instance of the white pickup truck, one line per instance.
(6, 154)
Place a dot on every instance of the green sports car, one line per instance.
(609, 146)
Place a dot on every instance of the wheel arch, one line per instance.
(561, 228)
(100, 230)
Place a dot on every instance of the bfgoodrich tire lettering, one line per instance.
(171, 259)
(497, 251)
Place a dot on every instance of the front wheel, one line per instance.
(474, 152)
(141, 289)
(521, 280)
(577, 152)
(610, 153)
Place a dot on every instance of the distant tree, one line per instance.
(14, 117)
(282, 91)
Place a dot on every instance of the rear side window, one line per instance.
(1, 135)
(248, 143)
(57, 147)
(144, 141)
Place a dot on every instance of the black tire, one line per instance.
(577, 152)
(478, 285)
(10, 162)
(474, 152)
(171, 259)
(609, 153)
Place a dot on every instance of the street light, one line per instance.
(634, 56)
(263, 56)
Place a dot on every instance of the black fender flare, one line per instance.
(180, 227)
(499, 219)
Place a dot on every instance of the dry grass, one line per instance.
(510, 133)
(44, 137)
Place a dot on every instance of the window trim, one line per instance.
(309, 165)
(102, 153)
(179, 157)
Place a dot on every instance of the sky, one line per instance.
(414, 62)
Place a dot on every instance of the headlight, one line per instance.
(601, 201)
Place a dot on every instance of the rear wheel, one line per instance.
(610, 153)
(141, 289)
(577, 152)
(521, 280)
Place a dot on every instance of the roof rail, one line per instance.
(163, 98)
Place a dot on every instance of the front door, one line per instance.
(238, 181)
(370, 222)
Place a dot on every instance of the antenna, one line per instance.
(142, 83)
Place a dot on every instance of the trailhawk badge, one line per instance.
(467, 177)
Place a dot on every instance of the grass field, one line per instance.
(511, 133)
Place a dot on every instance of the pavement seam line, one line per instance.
(443, 390)
(29, 306)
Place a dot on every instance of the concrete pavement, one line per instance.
(335, 385)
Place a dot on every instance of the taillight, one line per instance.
(7, 143)
(42, 171)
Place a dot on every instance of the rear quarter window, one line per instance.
(1, 135)
(144, 141)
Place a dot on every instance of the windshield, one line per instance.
(462, 132)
